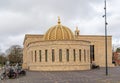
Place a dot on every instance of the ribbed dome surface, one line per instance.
(59, 32)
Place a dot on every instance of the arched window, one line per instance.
(92, 55)
(53, 55)
(35, 56)
(60, 55)
(46, 56)
(67, 54)
(40, 57)
(84, 55)
(74, 55)
(88, 53)
(32, 56)
(79, 54)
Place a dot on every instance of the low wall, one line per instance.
(59, 67)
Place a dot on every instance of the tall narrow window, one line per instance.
(92, 56)
(53, 55)
(67, 54)
(84, 55)
(60, 55)
(35, 56)
(79, 54)
(32, 56)
(40, 57)
(88, 58)
(46, 55)
(74, 55)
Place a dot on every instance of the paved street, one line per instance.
(89, 76)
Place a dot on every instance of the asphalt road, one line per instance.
(89, 76)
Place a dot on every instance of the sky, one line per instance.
(20, 17)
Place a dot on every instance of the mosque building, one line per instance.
(61, 50)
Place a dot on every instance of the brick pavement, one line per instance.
(89, 76)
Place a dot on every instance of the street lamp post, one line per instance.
(106, 62)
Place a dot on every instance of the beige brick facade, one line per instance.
(60, 50)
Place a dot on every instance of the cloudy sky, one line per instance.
(20, 17)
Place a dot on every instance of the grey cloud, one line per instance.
(19, 17)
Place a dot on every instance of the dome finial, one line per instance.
(77, 31)
(76, 27)
(59, 20)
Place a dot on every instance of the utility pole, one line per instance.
(106, 62)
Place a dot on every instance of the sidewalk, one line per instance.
(88, 76)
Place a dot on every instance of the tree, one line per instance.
(118, 49)
(15, 54)
(2, 59)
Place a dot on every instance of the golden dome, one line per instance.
(59, 32)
